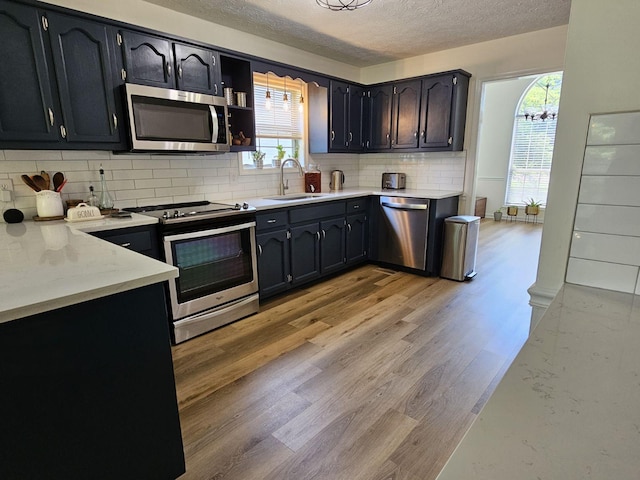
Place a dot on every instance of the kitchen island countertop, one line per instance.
(49, 265)
(567, 408)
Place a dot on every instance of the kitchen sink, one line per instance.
(295, 196)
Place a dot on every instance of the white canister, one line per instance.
(49, 204)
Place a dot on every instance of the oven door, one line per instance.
(215, 266)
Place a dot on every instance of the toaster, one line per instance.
(394, 181)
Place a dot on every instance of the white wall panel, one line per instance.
(616, 190)
(612, 160)
(614, 129)
(606, 248)
(608, 219)
(610, 276)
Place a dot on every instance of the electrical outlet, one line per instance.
(5, 190)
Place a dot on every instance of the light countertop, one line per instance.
(266, 202)
(53, 264)
(569, 405)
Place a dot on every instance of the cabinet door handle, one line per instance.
(259, 249)
(126, 244)
(318, 235)
(114, 117)
(355, 207)
(422, 133)
(123, 74)
(324, 234)
(213, 60)
(168, 69)
(272, 220)
(45, 23)
(349, 227)
(215, 88)
(63, 131)
(450, 140)
(350, 137)
(415, 134)
(333, 135)
(180, 71)
(52, 119)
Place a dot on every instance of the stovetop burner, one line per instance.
(188, 211)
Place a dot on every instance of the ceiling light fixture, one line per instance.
(338, 5)
(285, 97)
(267, 97)
(546, 112)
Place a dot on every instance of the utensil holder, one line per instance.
(228, 95)
(241, 99)
(49, 204)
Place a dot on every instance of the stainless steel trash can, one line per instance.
(460, 247)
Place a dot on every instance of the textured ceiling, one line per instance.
(384, 30)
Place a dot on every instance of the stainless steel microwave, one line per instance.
(165, 120)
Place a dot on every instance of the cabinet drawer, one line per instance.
(316, 212)
(359, 205)
(138, 239)
(265, 221)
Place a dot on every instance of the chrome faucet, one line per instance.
(284, 187)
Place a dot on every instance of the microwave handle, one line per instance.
(214, 124)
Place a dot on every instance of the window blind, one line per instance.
(531, 155)
(277, 122)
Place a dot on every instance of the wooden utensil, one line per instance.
(27, 180)
(40, 182)
(58, 179)
(46, 176)
(60, 187)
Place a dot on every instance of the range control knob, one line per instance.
(165, 215)
(176, 213)
(245, 205)
(237, 206)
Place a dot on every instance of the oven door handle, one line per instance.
(213, 231)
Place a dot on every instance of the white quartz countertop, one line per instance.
(267, 202)
(53, 264)
(569, 406)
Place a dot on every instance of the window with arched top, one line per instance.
(534, 133)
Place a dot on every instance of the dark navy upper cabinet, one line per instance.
(148, 60)
(84, 65)
(357, 118)
(443, 111)
(197, 69)
(339, 117)
(158, 62)
(405, 115)
(27, 108)
(380, 117)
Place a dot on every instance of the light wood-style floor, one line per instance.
(372, 375)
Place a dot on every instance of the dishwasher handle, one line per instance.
(406, 206)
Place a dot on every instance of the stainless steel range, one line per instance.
(213, 246)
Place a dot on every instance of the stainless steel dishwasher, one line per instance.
(402, 233)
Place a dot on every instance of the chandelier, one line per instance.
(546, 112)
(337, 5)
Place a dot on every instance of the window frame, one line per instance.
(296, 89)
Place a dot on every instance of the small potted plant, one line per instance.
(280, 155)
(497, 215)
(532, 207)
(512, 211)
(258, 158)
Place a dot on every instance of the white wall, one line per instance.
(601, 72)
(497, 116)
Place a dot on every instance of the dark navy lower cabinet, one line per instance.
(305, 252)
(332, 245)
(88, 391)
(357, 238)
(274, 270)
